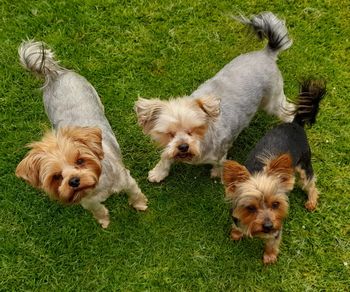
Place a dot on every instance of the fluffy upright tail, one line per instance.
(310, 96)
(267, 25)
(40, 60)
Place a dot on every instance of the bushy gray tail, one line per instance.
(310, 96)
(40, 60)
(267, 25)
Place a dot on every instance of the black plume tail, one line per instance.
(310, 96)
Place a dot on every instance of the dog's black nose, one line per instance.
(74, 182)
(267, 226)
(183, 147)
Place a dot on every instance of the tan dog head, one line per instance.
(260, 201)
(178, 125)
(65, 164)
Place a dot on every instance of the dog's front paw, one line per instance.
(140, 204)
(269, 258)
(102, 217)
(311, 205)
(156, 175)
(236, 234)
(104, 223)
(216, 172)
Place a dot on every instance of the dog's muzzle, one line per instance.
(183, 148)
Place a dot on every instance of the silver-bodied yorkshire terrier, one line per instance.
(79, 161)
(200, 128)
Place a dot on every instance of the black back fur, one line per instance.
(291, 137)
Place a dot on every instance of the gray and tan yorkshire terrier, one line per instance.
(79, 161)
(200, 128)
(258, 189)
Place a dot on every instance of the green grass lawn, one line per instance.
(161, 49)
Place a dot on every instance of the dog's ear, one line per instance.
(233, 174)
(89, 136)
(29, 168)
(148, 111)
(282, 167)
(210, 105)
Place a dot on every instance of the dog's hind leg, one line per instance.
(275, 103)
(136, 198)
(308, 183)
(280, 107)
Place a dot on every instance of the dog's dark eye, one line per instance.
(57, 177)
(275, 205)
(80, 161)
(251, 209)
(171, 134)
(189, 133)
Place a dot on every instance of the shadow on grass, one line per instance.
(251, 135)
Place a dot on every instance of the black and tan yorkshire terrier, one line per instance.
(258, 189)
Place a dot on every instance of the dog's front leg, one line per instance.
(271, 249)
(98, 210)
(160, 171)
(236, 233)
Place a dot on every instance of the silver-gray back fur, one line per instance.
(242, 86)
(69, 99)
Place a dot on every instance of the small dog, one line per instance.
(79, 161)
(258, 189)
(200, 129)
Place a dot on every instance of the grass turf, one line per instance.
(162, 49)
